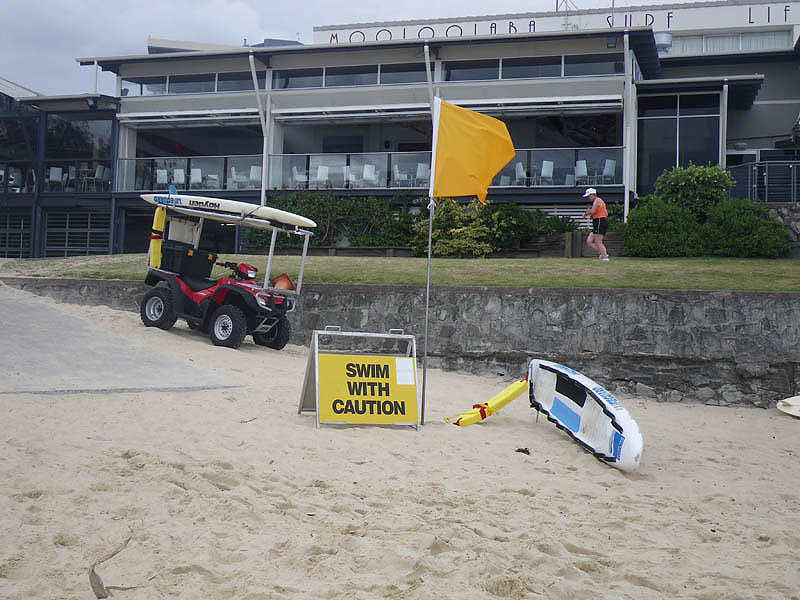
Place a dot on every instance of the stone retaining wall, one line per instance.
(727, 348)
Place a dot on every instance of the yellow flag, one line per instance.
(469, 149)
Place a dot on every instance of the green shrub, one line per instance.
(658, 229)
(558, 224)
(364, 221)
(457, 231)
(741, 228)
(616, 217)
(508, 224)
(695, 188)
(469, 240)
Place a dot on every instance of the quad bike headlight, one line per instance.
(263, 301)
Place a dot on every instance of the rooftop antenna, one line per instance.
(565, 6)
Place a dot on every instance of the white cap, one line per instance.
(589, 192)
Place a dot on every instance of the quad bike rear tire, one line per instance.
(157, 308)
(228, 326)
(277, 337)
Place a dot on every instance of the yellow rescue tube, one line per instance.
(157, 236)
(495, 403)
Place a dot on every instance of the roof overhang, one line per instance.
(14, 90)
(641, 40)
(337, 115)
(74, 103)
(742, 89)
(643, 45)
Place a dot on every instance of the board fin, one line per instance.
(173, 190)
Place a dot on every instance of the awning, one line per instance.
(73, 103)
(496, 107)
(742, 89)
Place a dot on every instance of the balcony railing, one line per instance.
(539, 167)
(77, 176)
(767, 181)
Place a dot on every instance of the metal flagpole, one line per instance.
(431, 208)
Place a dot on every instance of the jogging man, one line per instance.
(599, 216)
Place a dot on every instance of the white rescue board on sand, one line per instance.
(587, 412)
(791, 406)
(224, 210)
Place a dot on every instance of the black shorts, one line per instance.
(600, 226)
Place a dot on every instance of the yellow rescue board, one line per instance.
(156, 236)
(495, 403)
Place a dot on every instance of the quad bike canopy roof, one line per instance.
(200, 208)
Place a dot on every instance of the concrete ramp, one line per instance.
(46, 351)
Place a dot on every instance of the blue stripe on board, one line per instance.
(615, 447)
(566, 415)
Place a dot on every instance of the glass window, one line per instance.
(764, 40)
(130, 88)
(523, 68)
(20, 177)
(722, 43)
(144, 86)
(296, 78)
(470, 70)
(405, 73)
(656, 151)
(73, 136)
(191, 84)
(658, 106)
(687, 44)
(346, 76)
(600, 64)
(699, 104)
(18, 138)
(698, 141)
(578, 131)
(240, 82)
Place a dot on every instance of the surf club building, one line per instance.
(600, 98)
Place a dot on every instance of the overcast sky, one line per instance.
(41, 39)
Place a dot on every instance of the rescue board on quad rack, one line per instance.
(228, 308)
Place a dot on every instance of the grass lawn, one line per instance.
(644, 273)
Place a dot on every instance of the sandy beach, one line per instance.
(229, 493)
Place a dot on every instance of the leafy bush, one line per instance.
(558, 224)
(508, 225)
(364, 221)
(741, 228)
(457, 231)
(616, 217)
(695, 188)
(469, 240)
(659, 228)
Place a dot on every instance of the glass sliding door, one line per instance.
(675, 131)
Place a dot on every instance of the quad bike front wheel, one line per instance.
(228, 326)
(277, 337)
(157, 309)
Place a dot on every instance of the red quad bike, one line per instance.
(228, 308)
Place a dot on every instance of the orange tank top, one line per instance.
(601, 211)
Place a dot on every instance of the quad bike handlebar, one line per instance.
(240, 270)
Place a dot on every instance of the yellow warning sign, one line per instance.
(368, 389)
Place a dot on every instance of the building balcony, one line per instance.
(530, 168)
(773, 181)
